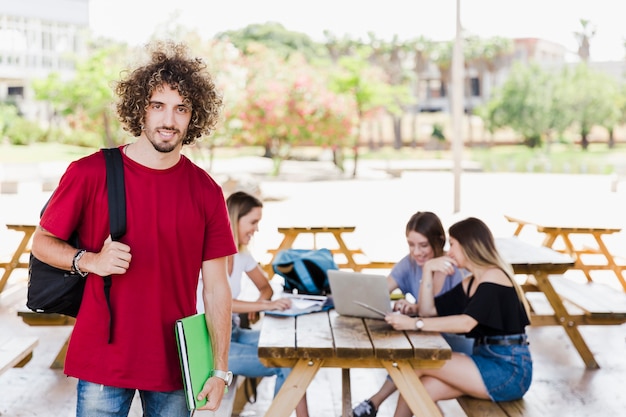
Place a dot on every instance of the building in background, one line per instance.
(38, 37)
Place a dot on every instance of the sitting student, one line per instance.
(426, 238)
(245, 212)
(489, 306)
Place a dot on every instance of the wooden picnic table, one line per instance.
(53, 319)
(23, 248)
(562, 228)
(291, 234)
(16, 352)
(589, 304)
(309, 342)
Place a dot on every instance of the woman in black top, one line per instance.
(488, 306)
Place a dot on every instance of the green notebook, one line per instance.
(196, 356)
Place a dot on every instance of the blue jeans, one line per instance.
(97, 400)
(243, 357)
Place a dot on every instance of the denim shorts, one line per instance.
(506, 370)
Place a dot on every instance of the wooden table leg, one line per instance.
(610, 261)
(518, 229)
(571, 250)
(346, 393)
(294, 387)
(59, 361)
(286, 243)
(347, 252)
(15, 259)
(563, 318)
(411, 388)
(548, 241)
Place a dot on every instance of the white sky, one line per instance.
(134, 21)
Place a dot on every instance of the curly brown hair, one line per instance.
(170, 64)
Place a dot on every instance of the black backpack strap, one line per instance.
(117, 211)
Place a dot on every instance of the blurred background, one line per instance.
(542, 81)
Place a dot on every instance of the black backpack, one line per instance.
(53, 290)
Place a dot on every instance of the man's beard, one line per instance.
(165, 147)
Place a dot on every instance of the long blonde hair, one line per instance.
(479, 247)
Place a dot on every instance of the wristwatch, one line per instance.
(419, 324)
(226, 376)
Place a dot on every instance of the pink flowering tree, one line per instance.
(286, 103)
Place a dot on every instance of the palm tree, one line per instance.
(420, 49)
(584, 37)
(389, 56)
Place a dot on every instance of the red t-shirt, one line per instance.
(176, 219)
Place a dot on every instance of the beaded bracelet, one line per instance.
(75, 269)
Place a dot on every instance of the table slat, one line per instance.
(350, 336)
(281, 341)
(429, 346)
(314, 338)
(388, 343)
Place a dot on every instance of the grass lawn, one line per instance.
(41, 152)
(559, 158)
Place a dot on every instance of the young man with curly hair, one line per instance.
(177, 226)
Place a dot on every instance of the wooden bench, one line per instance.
(599, 303)
(579, 304)
(16, 352)
(588, 304)
(39, 319)
(473, 407)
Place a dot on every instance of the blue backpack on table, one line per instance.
(304, 270)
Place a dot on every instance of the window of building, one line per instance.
(16, 91)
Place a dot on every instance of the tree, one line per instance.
(441, 56)
(495, 53)
(274, 36)
(592, 100)
(287, 103)
(86, 100)
(390, 57)
(583, 38)
(524, 102)
(354, 76)
(8, 116)
(419, 49)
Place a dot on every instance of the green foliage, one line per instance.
(8, 115)
(277, 95)
(438, 132)
(276, 37)
(524, 102)
(86, 101)
(592, 99)
(355, 77)
(539, 103)
(285, 103)
(83, 138)
(562, 158)
(24, 132)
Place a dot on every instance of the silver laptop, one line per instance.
(358, 294)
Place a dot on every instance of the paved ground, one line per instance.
(378, 204)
